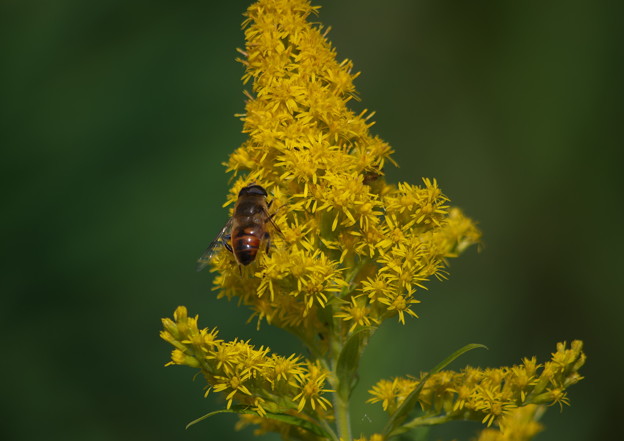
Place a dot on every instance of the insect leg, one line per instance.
(226, 242)
(267, 237)
(270, 219)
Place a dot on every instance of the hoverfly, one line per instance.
(246, 231)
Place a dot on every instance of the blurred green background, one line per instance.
(117, 115)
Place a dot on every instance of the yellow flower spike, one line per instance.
(347, 250)
(491, 396)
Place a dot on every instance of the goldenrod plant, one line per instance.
(348, 251)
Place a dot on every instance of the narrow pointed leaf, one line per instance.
(282, 417)
(408, 404)
(349, 360)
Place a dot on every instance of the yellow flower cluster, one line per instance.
(488, 395)
(262, 381)
(353, 247)
(519, 424)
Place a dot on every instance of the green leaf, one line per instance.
(397, 418)
(349, 360)
(285, 418)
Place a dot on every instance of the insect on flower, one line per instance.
(246, 231)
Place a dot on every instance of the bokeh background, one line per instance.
(117, 115)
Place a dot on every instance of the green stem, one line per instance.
(343, 418)
(341, 400)
(328, 428)
(341, 403)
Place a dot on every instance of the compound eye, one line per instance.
(253, 189)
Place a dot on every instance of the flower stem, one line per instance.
(341, 402)
(343, 418)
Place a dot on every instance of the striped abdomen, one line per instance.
(245, 244)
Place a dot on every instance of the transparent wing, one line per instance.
(214, 247)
